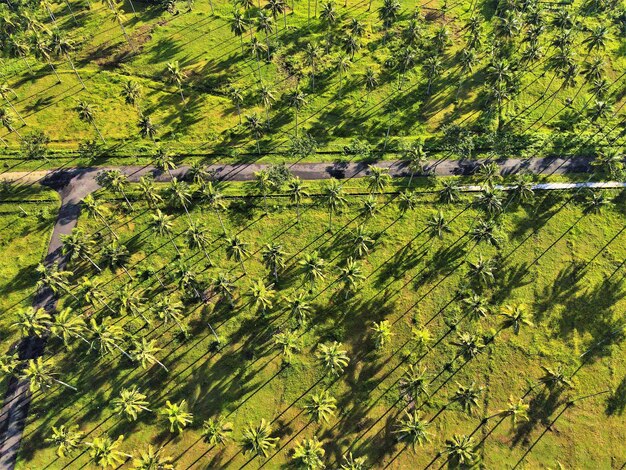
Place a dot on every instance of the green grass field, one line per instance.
(541, 115)
(564, 262)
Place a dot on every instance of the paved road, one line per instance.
(74, 184)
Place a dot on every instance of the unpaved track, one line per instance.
(74, 184)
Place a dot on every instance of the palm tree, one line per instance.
(103, 451)
(416, 159)
(381, 332)
(461, 453)
(555, 379)
(239, 24)
(180, 196)
(433, 65)
(258, 440)
(6, 121)
(289, 343)
(377, 179)
(176, 415)
(175, 76)
(197, 238)
(371, 81)
(147, 128)
(144, 352)
(265, 24)
(467, 397)
(297, 100)
(361, 240)
(449, 192)
(53, 279)
(31, 321)
(118, 17)
(296, 192)
(263, 184)
(438, 225)
(353, 463)
(313, 268)
(67, 439)
(267, 98)
(167, 309)
(237, 250)
(413, 383)
(516, 410)
(477, 306)
(321, 406)
(107, 335)
(351, 45)
(162, 224)
(515, 316)
(343, 65)
(412, 429)
(63, 46)
(237, 98)
(131, 92)
(42, 51)
(215, 431)
(130, 403)
(78, 245)
(277, 7)
(67, 326)
(333, 358)
(41, 376)
(597, 38)
(312, 54)
(215, 200)
(350, 276)
(334, 199)
(164, 162)
(481, 271)
(309, 454)
(256, 129)
(224, 287)
(407, 201)
(5, 91)
(274, 258)
(262, 296)
(299, 308)
(485, 231)
(151, 459)
(470, 345)
(116, 181)
(388, 12)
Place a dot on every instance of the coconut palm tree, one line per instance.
(95, 210)
(265, 24)
(407, 201)
(262, 296)
(131, 92)
(106, 336)
(296, 192)
(438, 225)
(215, 431)
(257, 439)
(274, 258)
(52, 278)
(168, 309)
(176, 415)
(197, 238)
(144, 352)
(42, 51)
(449, 192)
(309, 454)
(321, 406)
(41, 376)
(66, 439)
(104, 452)
(239, 24)
(175, 76)
(353, 463)
(370, 79)
(33, 322)
(485, 231)
(490, 201)
(62, 46)
(299, 308)
(130, 403)
(237, 99)
(312, 54)
(381, 332)
(481, 271)
(412, 429)
(264, 185)
(433, 66)
(516, 409)
(267, 98)
(515, 316)
(361, 241)
(343, 65)
(67, 325)
(334, 198)
(147, 129)
(79, 245)
(467, 397)
(414, 383)
(333, 357)
(377, 179)
(555, 379)
(313, 268)
(461, 452)
(9, 363)
(297, 100)
(151, 459)
(253, 124)
(289, 344)
(179, 195)
(469, 345)
(5, 92)
(476, 305)
(6, 121)
(116, 181)
(162, 224)
(597, 38)
(213, 198)
(277, 7)
(224, 287)
(237, 250)
(350, 276)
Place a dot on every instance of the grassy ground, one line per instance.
(337, 110)
(26, 220)
(564, 263)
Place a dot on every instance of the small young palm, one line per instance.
(381, 332)
(516, 409)
(313, 267)
(299, 308)
(414, 383)
(309, 454)
(353, 463)
(555, 379)
(289, 344)
(104, 452)
(215, 431)
(470, 345)
(515, 316)
(412, 429)
(467, 397)
(477, 306)
(407, 201)
(258, 440)
(461, 452)
(177, 415)
(481, 271)
(361, 242)
(130, 403)
(67, 439)
(321, 406)
(151, 459)
(333, 357)
(438, 225)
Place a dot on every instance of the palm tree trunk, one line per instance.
(211, 5)
(85, 257)
(121, 189)
(69, 7)
(65, 384)
(104, 142)
(14, 110)
(132, 6)
(54, 70)
(76, 72)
